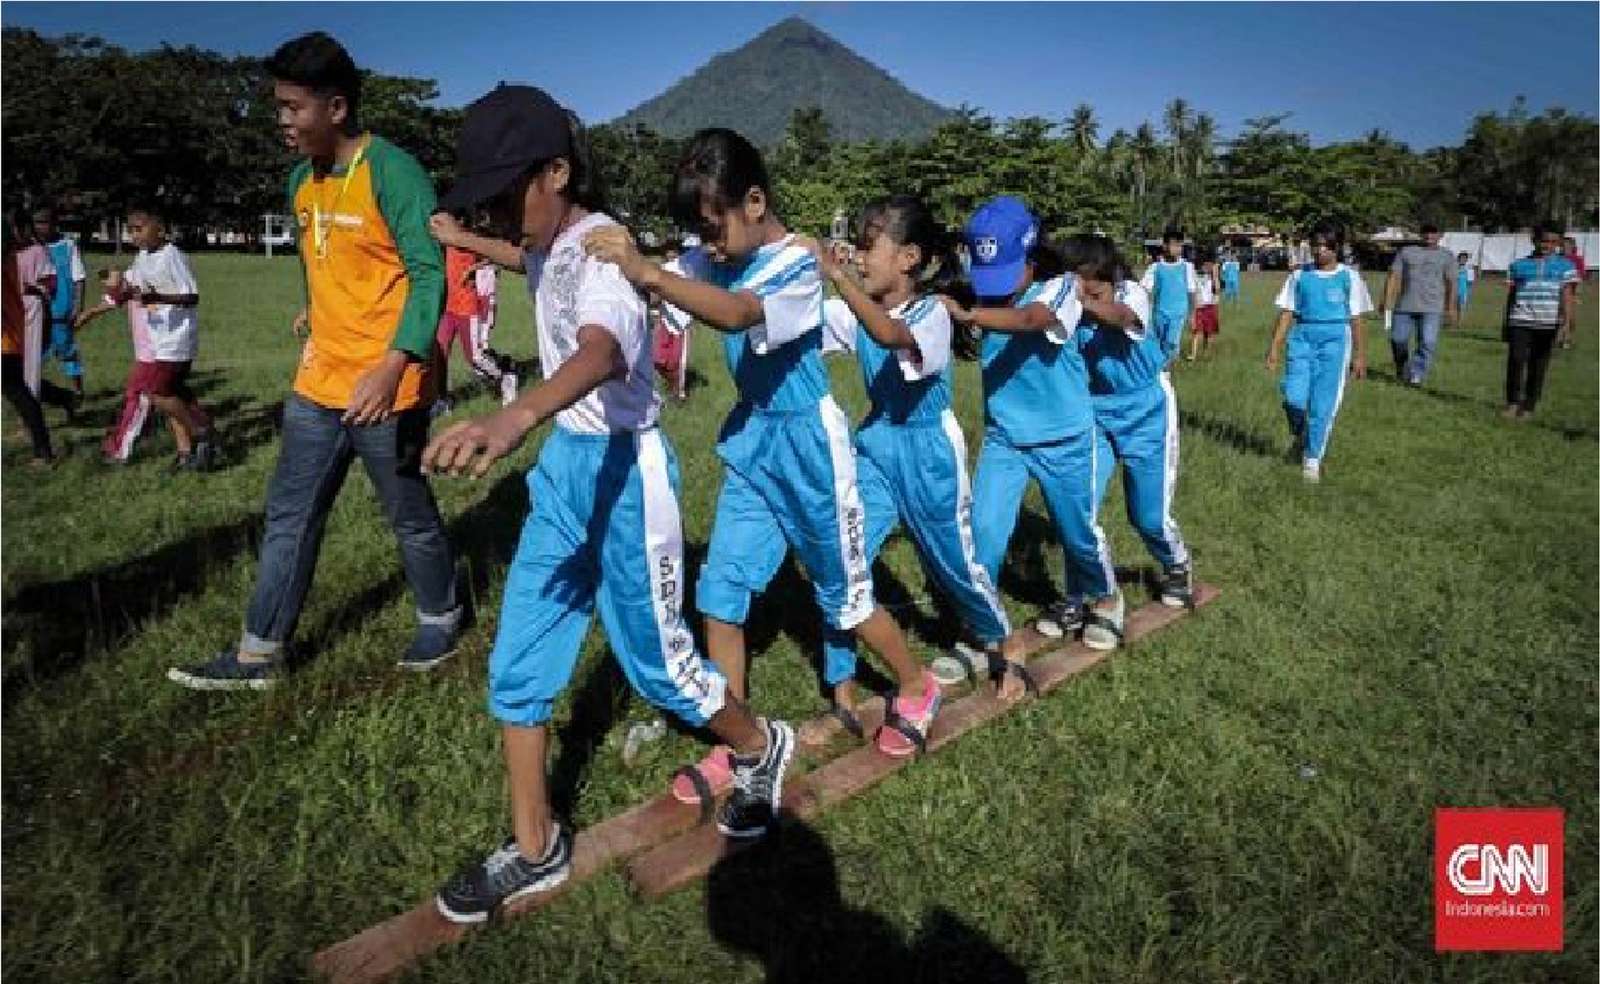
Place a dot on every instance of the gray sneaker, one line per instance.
(752, 807)
(505, 875)
(226, 672)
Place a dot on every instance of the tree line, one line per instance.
(92, 127)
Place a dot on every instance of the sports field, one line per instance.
(1247, 796)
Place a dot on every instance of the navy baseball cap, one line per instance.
(502, 135)
(999, 236)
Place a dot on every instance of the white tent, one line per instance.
(1495, 251)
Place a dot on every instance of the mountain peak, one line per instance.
(793, 64)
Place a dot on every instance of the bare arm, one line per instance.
(1010, 320)
(1391, 292)
(449, 232)
(723, 310)
(1100, 303)
(1280, 331)
(472, 446)
(1358, 338)
(886, 331)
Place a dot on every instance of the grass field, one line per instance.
(1248, 796)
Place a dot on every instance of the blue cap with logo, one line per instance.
(999, 236)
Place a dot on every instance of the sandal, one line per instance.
(906, 725)
(700, 784)
(1018, 669)
(821, 731)
(959, 664)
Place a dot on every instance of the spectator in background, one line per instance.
(13, 334)
(67, 301)
(36, 275)
(1421, 291)
(1539, 304)
(1582, 269)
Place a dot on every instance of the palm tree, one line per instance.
(1082, 129)
(1178, 118)
(1144, 152)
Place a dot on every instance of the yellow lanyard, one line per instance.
(319, 232)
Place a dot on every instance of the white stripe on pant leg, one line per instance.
(32, 356)
(130, 435)
(1102, 549)
(850, 516)
(969, 550)
(663, 532)
(1169, 476)
(1338, 396)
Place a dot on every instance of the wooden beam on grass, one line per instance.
(691, 856)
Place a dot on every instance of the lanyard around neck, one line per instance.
(319, 232)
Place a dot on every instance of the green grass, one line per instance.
(1419, 630)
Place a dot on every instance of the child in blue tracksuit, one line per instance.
(603, 528)
(1324, 303)
(1230, 278)
(789, 478)
(1135, 408)
(1173, 287)
(911, 454)
(1038, 419)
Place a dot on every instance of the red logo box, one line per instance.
(1497, 879)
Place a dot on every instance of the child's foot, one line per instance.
(841, 717)
(706, 780)
(758, 786)
(1177, 587)
(506, 874)
(1061, 620)
(205, 455)
(1311, 470)
(1102, 623)
(1511, 411)
(906, 724)
(226, 671)
(1012, 681)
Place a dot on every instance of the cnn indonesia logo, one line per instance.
(1497, 879)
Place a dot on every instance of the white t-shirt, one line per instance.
(572, 289)
(929, 324)
(1206, 289)
(677, 319)
(174, 328)
(1360, 299)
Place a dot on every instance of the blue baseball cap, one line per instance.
(998, 236)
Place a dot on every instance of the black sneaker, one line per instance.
(182, 463)
(1062, 619)
(479, 889)
(226, 672)
(1177, 587)
(205, 456)
(758, 786)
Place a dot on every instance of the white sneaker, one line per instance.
(1311, 471)
(508, 388)
(1102, 626)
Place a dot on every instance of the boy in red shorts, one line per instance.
(1206, 321)
(162, 298)
(469, 312)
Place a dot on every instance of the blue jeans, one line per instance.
(1425, 326)
(312, 464)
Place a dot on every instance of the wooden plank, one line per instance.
(691, 856)
(646, 832)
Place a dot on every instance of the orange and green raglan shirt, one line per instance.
(380, 285)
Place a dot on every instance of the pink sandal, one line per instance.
(705, 780)
(906, 724)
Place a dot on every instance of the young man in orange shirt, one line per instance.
(375, 285)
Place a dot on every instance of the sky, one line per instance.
(1420, 71)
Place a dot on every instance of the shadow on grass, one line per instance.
(1463, 400)
(68, 620)
(1227, 432)
(779, 902)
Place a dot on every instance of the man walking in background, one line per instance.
(1421, 291)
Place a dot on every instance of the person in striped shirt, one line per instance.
(374, 281)
(1539, 307)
